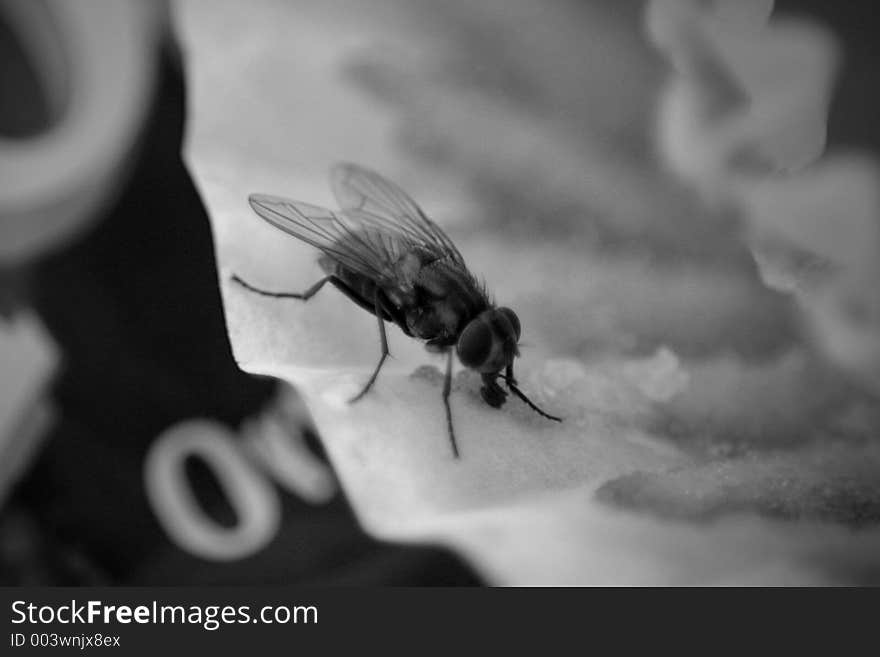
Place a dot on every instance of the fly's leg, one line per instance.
(384, 352)
(509, 375)
(303, 296)
(447, 387)
(510, 380)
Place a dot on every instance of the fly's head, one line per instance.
(488, 344)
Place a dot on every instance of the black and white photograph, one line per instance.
(438, 293)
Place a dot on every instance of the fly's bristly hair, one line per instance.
(484, 287)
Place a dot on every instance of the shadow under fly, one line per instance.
(387, 256)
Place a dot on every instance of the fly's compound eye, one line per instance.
(475, 344)
(513, 319)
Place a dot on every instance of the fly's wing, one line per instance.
(370, 197)
(353, 243)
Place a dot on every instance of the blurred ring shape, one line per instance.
(95, 61)
(254, 500)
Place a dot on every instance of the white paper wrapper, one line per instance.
(650, 349)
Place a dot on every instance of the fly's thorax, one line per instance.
(446, 299)
(408, 267)
(438, 320)
(488, 343)
(402, 296)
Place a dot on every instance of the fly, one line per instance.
(386, 255)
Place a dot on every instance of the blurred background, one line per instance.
(702, 213)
